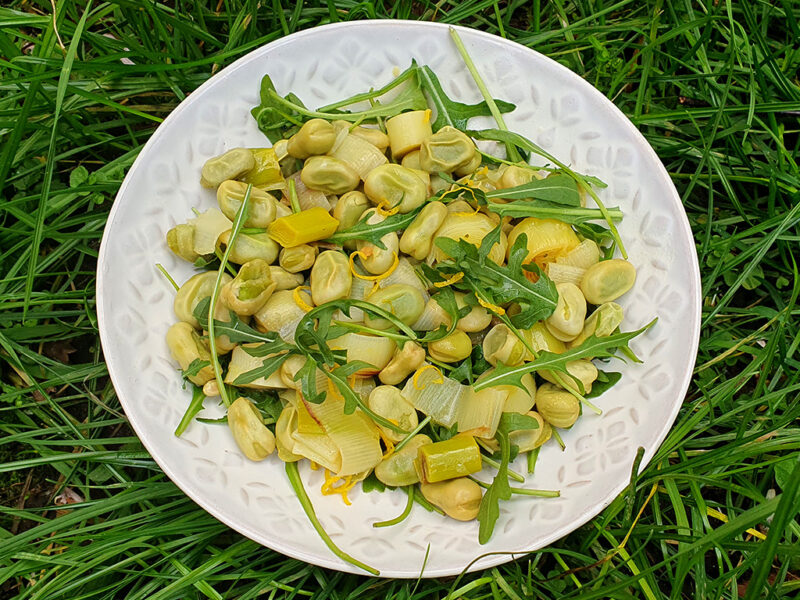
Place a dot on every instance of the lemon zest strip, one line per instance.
(387, 442)
(298, 299)
(376, 278)
(420, 371)
(330, 488)
(498, 310)
(385, 210)
(450, 280)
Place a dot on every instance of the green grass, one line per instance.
(712, 85)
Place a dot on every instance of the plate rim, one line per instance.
(329, 560)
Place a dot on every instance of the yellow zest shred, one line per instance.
(375, 287)
(385, 210)
(314, 466)
(334, 391)
(450, 280)
(298, 298)
(388, 272)
(329, 486)
(458, 191)
(498, 310)
(386, 441)
(427, 118)
(420, 371)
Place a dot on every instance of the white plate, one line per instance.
(556, 109)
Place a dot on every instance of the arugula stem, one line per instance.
(519, 209)
(440, 364)
(372, 94)
(511, 149)
(296, 482)
(532, 456)
(295, 201)
(496, 465)
(406, 511)
(164, 272)
(539, 493)
(365, 329)
(370, 113)
(219, 255)
(423, 502)
(412, 433)
(557, 437)
(522, 491)
(238, 222)
(360, 404)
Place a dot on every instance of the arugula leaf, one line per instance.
(604, 382)
(593, 347)
(268, 367)
(446, 298)
(500, 489)
(543, 209)
(353, 400)
(313, 329)
(195, 406)
(275, 112)
(471, 367)
(555, 202)
(354, 366)
(596, 233)
(307, 376)
(517, 422)
(409, 73)
(375, 231)
(372, 484)
(195, 367)
(240, 332)
(450, 112)
(273, 118)
(509, 137)
(498, 284)
(559, 189)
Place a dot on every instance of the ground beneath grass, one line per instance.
(86, 513)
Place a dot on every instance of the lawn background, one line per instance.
(84, 510)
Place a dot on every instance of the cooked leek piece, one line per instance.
(583, 256)
(266, 173)
(405, 273)
(433, 315)
(408, 130)
(350, 443)
(457, 457)
(307, 197)
(301, 228)
(448, 402)
(207, 228)
(359, 154)
(561, 273)
(376, 351)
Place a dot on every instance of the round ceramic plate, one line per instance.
(556, 109)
